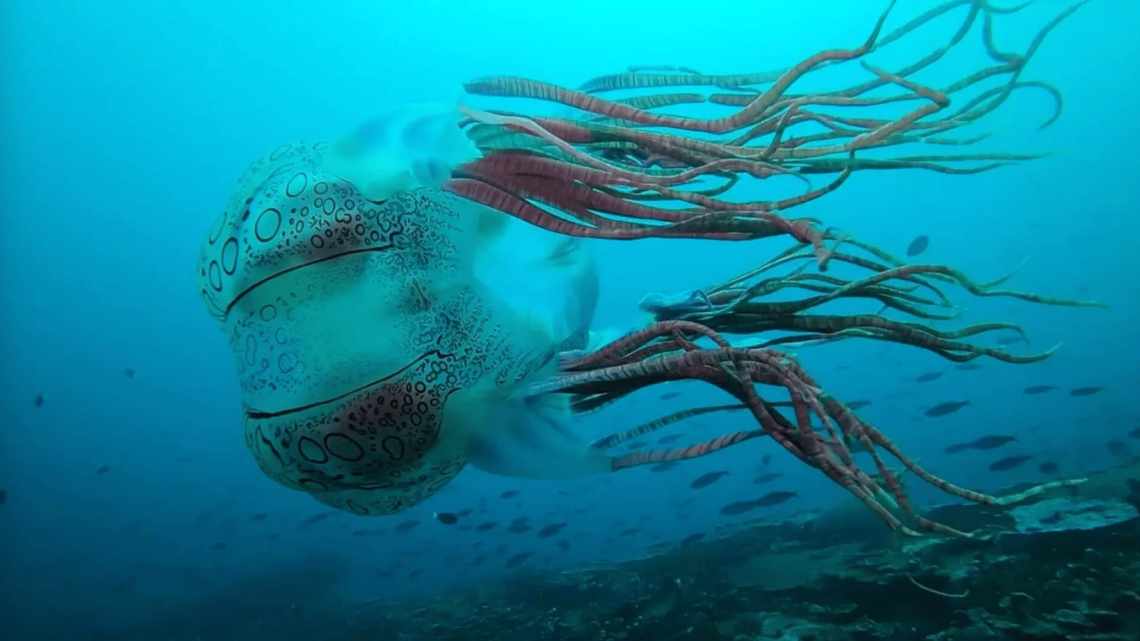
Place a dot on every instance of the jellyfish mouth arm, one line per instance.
(623, 365)
(627, 170)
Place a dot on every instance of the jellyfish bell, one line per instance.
(375, 354)
(404, 148)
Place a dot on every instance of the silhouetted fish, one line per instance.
(447, 518)
(942, 409)
(1048, 467)
(260, 516)
(518, 559)
(1039, 389)
(1135, 433)
(314, 519)
(102, 469)
(564, 545)
(663, 467)
(1008, 463)
(768, 500)
(983, 443)
(406, 526)
(918, 245)
(1117, 448)
(1085, 391)
(219, 546)
(774, 498)
(129, 372)
(766, 478)
(766, 459)
(3, 497)
(636, 445)
(927, 377)
(738, 507)
(550, 530)
(518, 528)
(509, 494)
(706, 480)
(39, 400)
(486, 527)
(668, 438)
(669, 395)
(692, 538)
(858, 405)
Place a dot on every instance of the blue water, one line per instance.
(126, 124)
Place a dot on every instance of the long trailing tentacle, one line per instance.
(740, 371)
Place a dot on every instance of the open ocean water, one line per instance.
(386, 383)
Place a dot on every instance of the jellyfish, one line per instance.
(376, 358)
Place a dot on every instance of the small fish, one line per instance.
(102, 469)
(39, 400)
(774, 498)
(129, 372)
(1008, 463)
(1039, 389)
(967, 367)
(464, 512)
(668, 438)
(669, 396)
(766, 459)
(486, 527)
(3, 497)
(1048, 467)
(766, 478)
(738, 507)
(662, 467)
(509, 494)
(636, 445)
(518, 528)
(563, 545)
(918, 245)
(692, 538)
(550, 530)
(314, 519)
(927, 377)
(1117, 448)
(447, 518)
(858, 405)
(219, 546)
(406, 526)
(1135, 433)
(1085, 391)
(948, 407)
(706, 480)
(983, 443)
(260, 516)
(768, 500)
(629, 531)
(518, 559)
